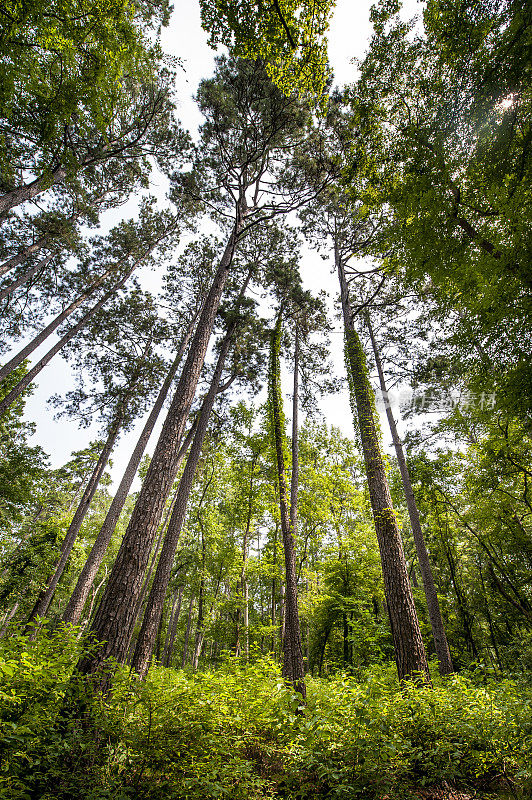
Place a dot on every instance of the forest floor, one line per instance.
(234, 733)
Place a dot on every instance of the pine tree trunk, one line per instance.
(429, 587)
(23, 256)
(243, 580)
(28, 191)
(172, 630)
(7, 619)
(8, 290)
(182, 452)
(41, 337)
(34, 371)
(152, 615)
(42, 605)
(187, 633)
(409, 650)
(293, 667)
(94, 595)
(90, 569)
(294, 480)
(113, 622)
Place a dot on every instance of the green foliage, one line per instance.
(22, 466)
(66, 66)
(235, 733)
(287, 35)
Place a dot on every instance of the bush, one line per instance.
(236, 733)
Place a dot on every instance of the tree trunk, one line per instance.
(41, 337)
(7, 619)
(23, 256)
(409, 650)
(34, 371)
(8, 290)
(113, 622)
(152, 615)
(429, 587)
(172, 629)
(42, 605)
(79, 595)
(293, 667)
(187, 632)
(243, 580)
(94, 595)
(294, 480)
(182, 452)
(28, 191)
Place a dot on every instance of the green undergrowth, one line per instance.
(236, 733)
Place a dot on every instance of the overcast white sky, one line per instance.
(349, 36)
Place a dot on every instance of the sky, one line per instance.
(349, 37)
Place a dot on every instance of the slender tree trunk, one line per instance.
(23, 256)
(293, 667)
(172, 629)
(243, 579)
(8, 290)
(41, 337)
(408, 644)
(433, 605)
(294, 480)
(113, 622)
(28, 191)
(200, 622)
(520, 602)
(488, 616)
(274, 590)
(152, 615)
(200, 631)
(7, 619)
(42, 605)
(88, 573)
(163, 529)
(187, 632)
(94, 595)
(463, 610)
(34, 371)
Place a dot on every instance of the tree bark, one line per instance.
(293, 666)
(243, 579)
(187, 632)
(90, 569)
(294, 479)
(41, 337)
(42, 605)
(182, 452)
(172, 629)
(113, 622)
(34, 371)
(28, 191)
(429, 587)
(8, 290)
(152, 615)
(409, 649)
(23, 256)
(7, 619)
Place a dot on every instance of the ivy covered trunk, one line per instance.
(409, 649)
(433, 605)
(293, 666)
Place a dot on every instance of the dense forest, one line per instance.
(261, 602)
